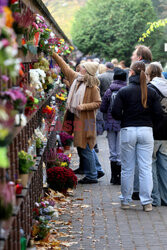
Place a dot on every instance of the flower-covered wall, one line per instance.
(32, 97)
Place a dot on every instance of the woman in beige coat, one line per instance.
(82, 103)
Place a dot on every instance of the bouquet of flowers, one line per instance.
(7, 118)
(49, 113)
(61, 99)
(61, 178)
(16, 98)
(43, 212)
(25, 162)
(31, 105)
(57, 159)
(66, 139)
(8, 45)
(37, 77)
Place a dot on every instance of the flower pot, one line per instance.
(66, 148)
(24, 179)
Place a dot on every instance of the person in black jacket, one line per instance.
(136, 105)
(159, 166)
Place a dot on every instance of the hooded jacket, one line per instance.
(159, 84)
(110, 123)
(128, 106)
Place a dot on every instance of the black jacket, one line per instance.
(128, 107)
(105, 81)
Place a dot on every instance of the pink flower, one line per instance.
(5, 78)
(35, 25)
(41, 30)
(5, 42)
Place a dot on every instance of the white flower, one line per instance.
(28, 92)
(37, 75)
(36, 204)
(23, 120)
(50, 209)
(9, 62)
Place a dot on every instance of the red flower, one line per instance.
(13, 1)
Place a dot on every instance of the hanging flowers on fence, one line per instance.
(7, 118)
(48, 113)
(8, 45)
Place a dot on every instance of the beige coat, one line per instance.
(85, 125)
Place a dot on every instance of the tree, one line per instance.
(111, 28)
(160, 7)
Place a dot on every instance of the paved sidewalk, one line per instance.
(97, 222)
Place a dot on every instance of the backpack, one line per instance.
(160, 127)
(112, 98)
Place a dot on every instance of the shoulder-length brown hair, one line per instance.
(139, 69)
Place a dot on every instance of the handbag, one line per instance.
(70, 121)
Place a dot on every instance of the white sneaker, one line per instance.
(147, 208)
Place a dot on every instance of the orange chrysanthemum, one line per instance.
(9, 17)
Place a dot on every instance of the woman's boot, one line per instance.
(113, 171)
(118, 171)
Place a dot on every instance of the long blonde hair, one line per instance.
(139, 69)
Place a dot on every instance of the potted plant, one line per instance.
(39, 146)
(25, 163)
(66, 140)
(57, 159)
(61, 178)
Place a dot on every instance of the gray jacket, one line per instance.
(105, 81)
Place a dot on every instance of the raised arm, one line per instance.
(67, 71)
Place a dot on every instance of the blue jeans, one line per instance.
(114, 146)
(90, 162)
(136, 146)
(159, 168)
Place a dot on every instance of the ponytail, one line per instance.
(143, 86)
(139, 69)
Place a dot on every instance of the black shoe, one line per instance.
(78, 171)
(85, 180)
(115, 173)
(100, 174)
(135, 196)
(96, 148)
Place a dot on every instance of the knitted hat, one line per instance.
(110, 65)
(120, 74)
(91, 67)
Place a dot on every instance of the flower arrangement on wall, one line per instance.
(7, 118)
(48, 113)
(8, 45)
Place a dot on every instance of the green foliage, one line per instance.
(25, 162)
(152, 27)
(39, 143)
(112, 28)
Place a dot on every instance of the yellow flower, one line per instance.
(64, 164)
(71, 47)
(48, 29)
(9, 17)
